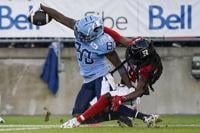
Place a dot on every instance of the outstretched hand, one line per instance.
(116, 102)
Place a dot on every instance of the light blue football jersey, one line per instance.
(91, 56)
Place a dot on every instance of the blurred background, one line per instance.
(173, 25)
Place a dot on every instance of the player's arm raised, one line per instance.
(69, 22)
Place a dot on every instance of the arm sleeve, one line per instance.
(116, 36)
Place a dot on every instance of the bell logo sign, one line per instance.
(19, 21)
(181, 19)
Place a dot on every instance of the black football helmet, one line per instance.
(138, 52)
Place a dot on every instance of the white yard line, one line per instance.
(33, 127)
(108, 125)
(16, 129)
(25, 127)
(29, 126)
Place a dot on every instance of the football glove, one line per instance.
(117, 101)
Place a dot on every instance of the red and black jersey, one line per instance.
(145, 71)
(149, 68)
(143, 60)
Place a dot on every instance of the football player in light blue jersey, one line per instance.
(93, 46)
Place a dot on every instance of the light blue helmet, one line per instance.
(88, 28)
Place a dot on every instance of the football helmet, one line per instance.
(88, 28)
(138, 51)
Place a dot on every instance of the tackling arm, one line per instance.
(114, 59)
(69, 22)
(141, 86)
(118, 100)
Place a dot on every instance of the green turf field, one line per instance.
(37, 124)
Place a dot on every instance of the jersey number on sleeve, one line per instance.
(109, 46)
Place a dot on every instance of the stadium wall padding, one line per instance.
(22, 91)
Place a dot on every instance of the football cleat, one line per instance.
(72, 123)
(2, 120)
(151, 120)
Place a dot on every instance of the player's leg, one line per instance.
(99, 107)
(83, 99)
(102, 104)
(93, 110)
(101, 86)
(122, 115)
(123, 112)
(126, 111)
(104, 85)
(132, 112)
(108, 116)
(103, 101)
(149, 119)
(85, 95)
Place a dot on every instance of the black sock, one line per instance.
(126, 111)
(141, 116)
